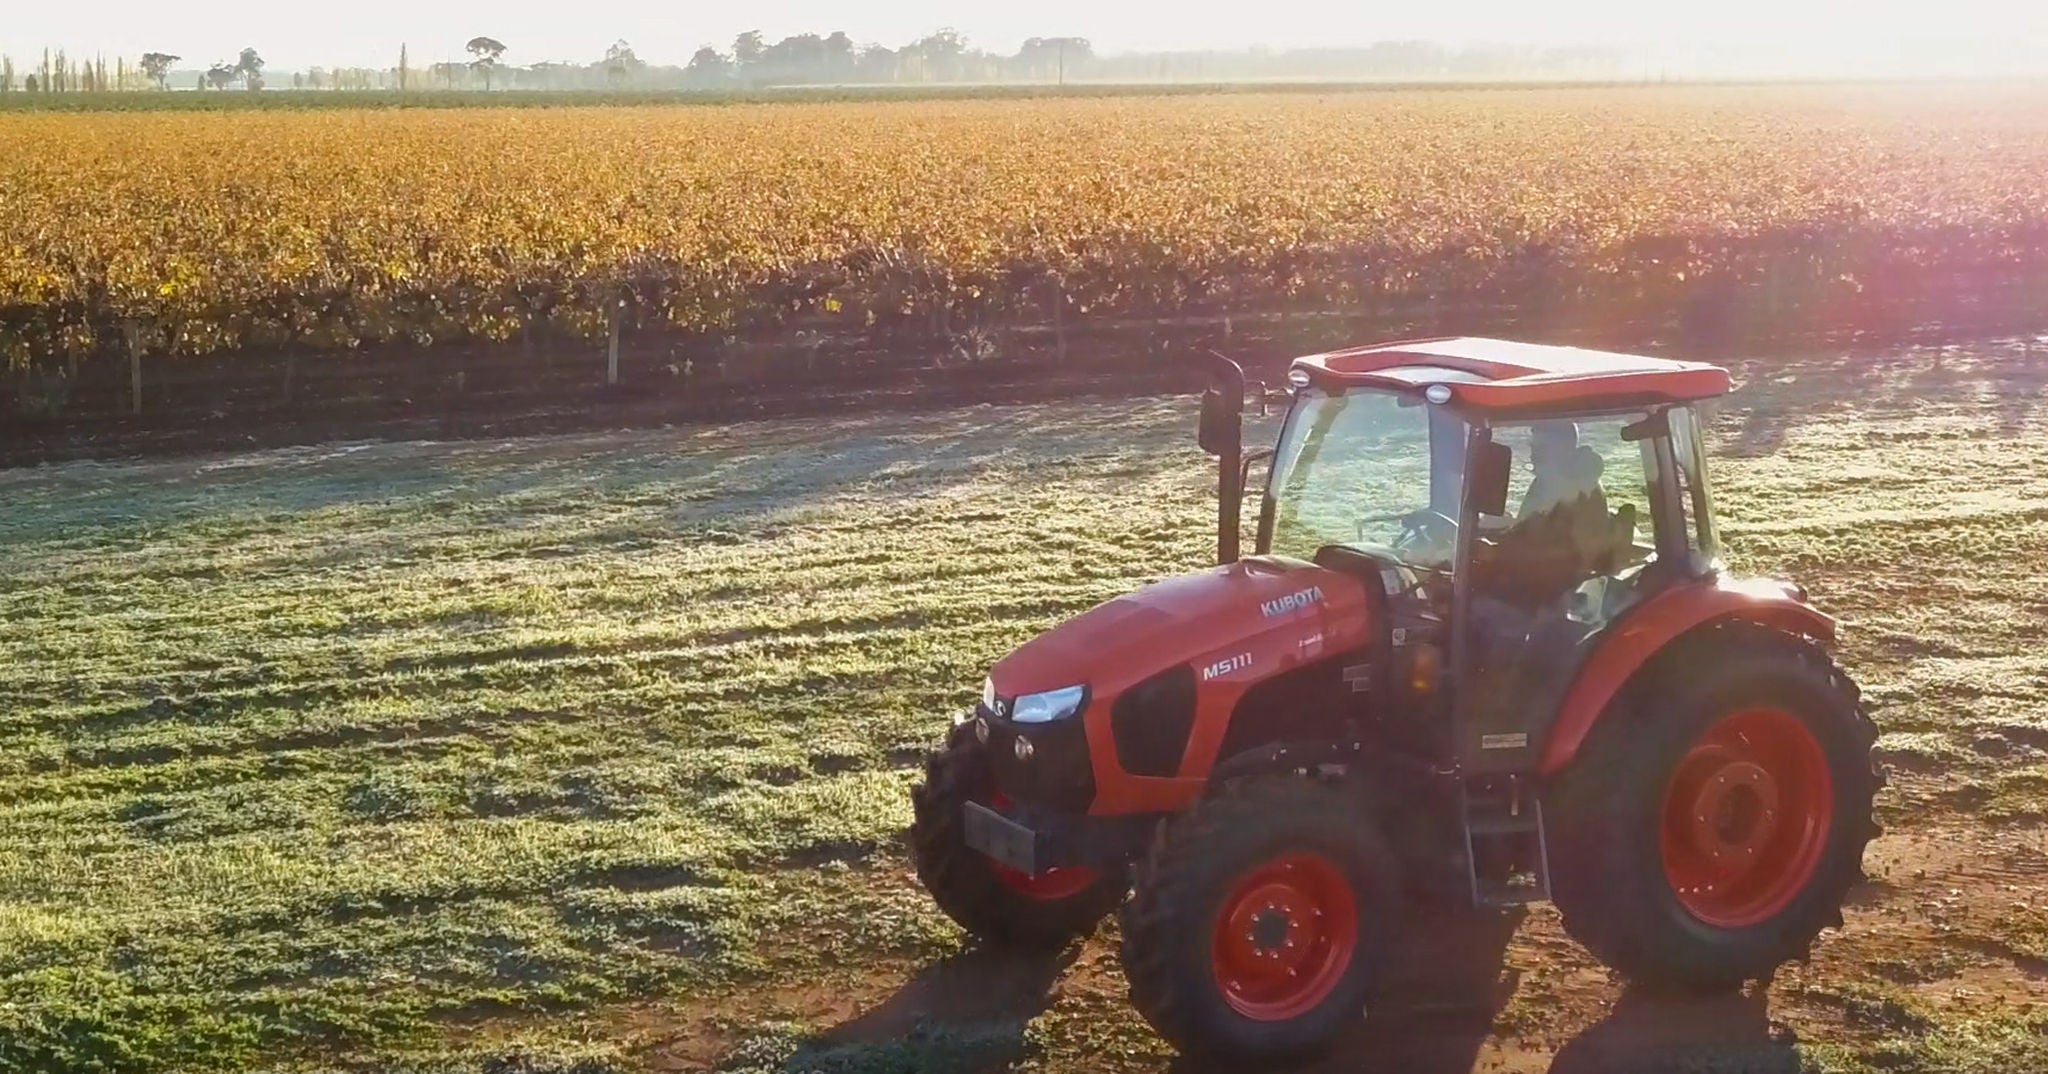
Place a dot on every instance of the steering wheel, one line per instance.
(1416, 526)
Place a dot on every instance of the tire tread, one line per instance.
(1589, 807)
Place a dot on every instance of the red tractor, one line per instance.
(1484, 651)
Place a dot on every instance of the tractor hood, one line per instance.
(1243, 621)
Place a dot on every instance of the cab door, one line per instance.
(1574, 548)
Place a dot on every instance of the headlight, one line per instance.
(988, 695)
(1048, 706)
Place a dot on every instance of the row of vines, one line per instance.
(196, 233)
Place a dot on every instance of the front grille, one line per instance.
(1057, 776)
(1151, 723)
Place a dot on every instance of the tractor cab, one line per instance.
(1512, 500)
(1482, 649)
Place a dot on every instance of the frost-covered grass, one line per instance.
(354, 754)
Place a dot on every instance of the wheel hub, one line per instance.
(1746, 816)
(1285, 934)
(1270, 928)
(1735, 814)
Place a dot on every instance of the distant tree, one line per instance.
(404, 67)
(708, 67)
(553, 75)
(315, 77)
(250, 67)
(33, 86)
(747, 48)
(875, 63)
(487, 51)
(298, 80)
(157, 65)
(621, 62)
(793, 59)
(1053, 57)
(6, 74)
(839, 56)
(940, 54)
(220, 74)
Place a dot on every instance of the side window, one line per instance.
(1516, 437)
(1556, 459)
(1627, 474)
(1578, 528)
(1689, 445)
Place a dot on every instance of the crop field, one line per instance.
(590, 753)
(180, 233)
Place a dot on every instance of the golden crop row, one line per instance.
(248, 230)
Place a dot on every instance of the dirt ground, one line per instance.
(1504, 992)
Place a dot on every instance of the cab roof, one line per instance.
(1497, 375)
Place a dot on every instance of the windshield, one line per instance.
(1368, 469)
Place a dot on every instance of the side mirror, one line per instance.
(1220, 427)
(1492, 465)
(1652, 427)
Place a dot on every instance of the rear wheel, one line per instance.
(1711, 830)
(1259, 920)
(986, 898)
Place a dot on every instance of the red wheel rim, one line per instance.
(1055, 883)
(1746, 817)
(1285, 934)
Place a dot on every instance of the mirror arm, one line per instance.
(1244, 468)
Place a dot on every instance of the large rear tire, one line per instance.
(1712, 825)
(1260, 920)
(990, 901)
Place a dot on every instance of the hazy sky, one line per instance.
(368, 32)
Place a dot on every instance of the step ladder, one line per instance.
(1506, 825)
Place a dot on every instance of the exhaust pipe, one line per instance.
(1222, 435)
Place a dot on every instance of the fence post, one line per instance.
(1059, 325)
(611, 361)
(134, 331)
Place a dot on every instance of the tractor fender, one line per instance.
(1653, 626)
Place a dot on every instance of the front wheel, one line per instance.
(1711, 830)
(1259, 920)
(986, 898)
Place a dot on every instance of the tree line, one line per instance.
(753, 62)
(59, 73)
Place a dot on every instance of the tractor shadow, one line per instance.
(1447, 987)
(965, 1012)
(1449, 984)
(1723, 1035)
